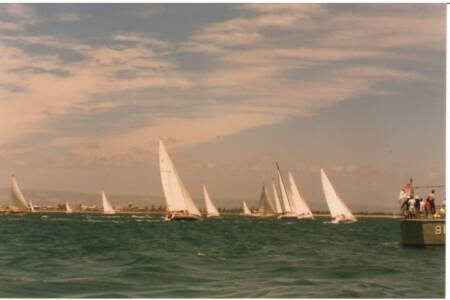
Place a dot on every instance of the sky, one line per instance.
(87, 91)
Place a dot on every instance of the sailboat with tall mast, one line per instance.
(288, 206)
(19, 203)
(338, 210)
(265, 208)
(107, 207)
(301, 208)
(179, 204)
(211, 210)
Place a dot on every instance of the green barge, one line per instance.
(423, 232)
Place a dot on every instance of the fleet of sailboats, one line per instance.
(287, 203)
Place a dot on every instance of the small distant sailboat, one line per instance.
(301, 208)
(265, 208)
(107, 207)
(211, 210)
(179, 203)
(19, 203)
(247, 211)
(338, 210)
(68, 208)
(287, 208)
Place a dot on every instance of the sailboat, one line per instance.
(19, 203)
(179, 203)
(68, 208)
(301, 208)
(278, 209)
(107, 207)
(287, 207)
(265, 208)
(247, 211)
(338, 210)
(211, 210)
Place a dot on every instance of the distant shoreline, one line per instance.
(363, 215)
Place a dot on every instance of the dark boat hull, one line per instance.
(423, 232)
(183, 217)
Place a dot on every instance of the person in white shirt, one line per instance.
(411, 208)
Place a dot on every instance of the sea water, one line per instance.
(88, 255)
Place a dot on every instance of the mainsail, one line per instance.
(107, 207)
(301, 208)
(211, 210)
(287, 207)
(247, 211)
(265, 207)
(277, 199)
(177, 197)
(68, 208)
(337, 207)
(17, 197)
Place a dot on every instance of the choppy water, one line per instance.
(58, 255)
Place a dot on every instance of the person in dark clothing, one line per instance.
(430, 199)
(417, 203)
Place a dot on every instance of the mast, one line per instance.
(287, 203)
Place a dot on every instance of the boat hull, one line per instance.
(287, 217)
(213, 217)
(182, 217)
(423, 232)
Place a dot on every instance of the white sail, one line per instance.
(338, 209)
(177, 197)
(264, 206)
(18, 199)
(68, 208)
(287, 207)
(31, 206)
(277, 199)
(107, 207)
(300, 205)
(247, 211)
(211, 210)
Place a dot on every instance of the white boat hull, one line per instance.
(287, 217)
(337, 221)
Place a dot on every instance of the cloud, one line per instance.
(19, 11)
(10, 26)
(67, 17)
(270, 63)
(141, 39)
